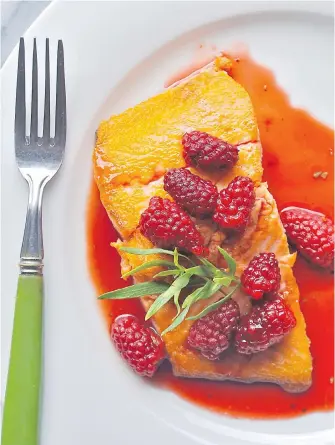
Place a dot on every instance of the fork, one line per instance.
(38, 159)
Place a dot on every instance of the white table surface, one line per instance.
(16, 18)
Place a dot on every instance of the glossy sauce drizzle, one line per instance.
(295, 146)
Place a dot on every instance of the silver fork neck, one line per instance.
(31, 267)
(32, 253)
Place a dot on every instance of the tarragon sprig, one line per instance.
(203, 279)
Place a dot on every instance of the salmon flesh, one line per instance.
(134, 150)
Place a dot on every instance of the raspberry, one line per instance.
(166, 225)
(206, 151)
(264, 326)
(196, 195)
(140, 346)
(211, 333)
(235, 203)
(262, 276)
(312, 233)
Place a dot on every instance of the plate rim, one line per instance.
(49, 10)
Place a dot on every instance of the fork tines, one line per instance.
(20, 109)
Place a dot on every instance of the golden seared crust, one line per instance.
(211, 102)
(132, 153)
(125, 204)
(136, 147)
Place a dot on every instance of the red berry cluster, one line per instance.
(266, 324)
(235, 204)
(168, 224)
(230, 208)
(211, 334)
(165, 224)
(208, 152)
(194, 194)
(140, 346)
(312, 233)
(262, 276)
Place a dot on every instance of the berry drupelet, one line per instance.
(235, 204)
(211, 334)
(166, 225)
(264, 326)
(140, 346)
(194, 194)
(208, 152)
(312, 233)
(262, 276)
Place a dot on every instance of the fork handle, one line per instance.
(21, 408)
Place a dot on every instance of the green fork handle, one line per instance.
(21, 408)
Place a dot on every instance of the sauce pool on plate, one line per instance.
(295, 148)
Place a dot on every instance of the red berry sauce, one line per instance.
(293, 141)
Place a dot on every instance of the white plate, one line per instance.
(118, 53)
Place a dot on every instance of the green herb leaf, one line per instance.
(176, 302)
(136, 291)
(196, 281)
(200, 271)
(213, 306)
(202, 293)
(210, 266)
(211, 289)
(167, 273)
(135, 251)
(224, 281)
(176, 259)
(148, 265)
(190, 299)
(176, 286)
(230, 261)
(177, 321)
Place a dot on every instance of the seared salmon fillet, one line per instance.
(132, 153)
